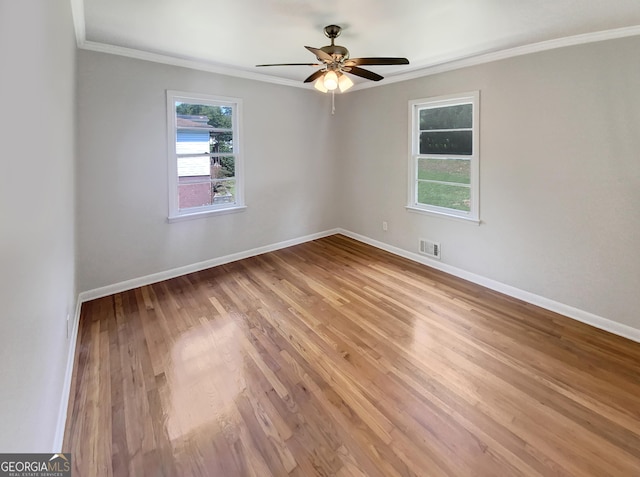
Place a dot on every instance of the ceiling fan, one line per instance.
(334, 62)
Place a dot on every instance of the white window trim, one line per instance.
(175, 214)
(414, 147)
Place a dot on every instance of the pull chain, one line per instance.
(333, 102)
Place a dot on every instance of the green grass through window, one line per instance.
(445, 170)
(444, 195)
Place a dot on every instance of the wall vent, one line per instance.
(429, 248)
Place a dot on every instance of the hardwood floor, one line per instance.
(335, 358)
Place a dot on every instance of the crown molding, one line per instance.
(474, 60)
(77, 13)
(187, 63)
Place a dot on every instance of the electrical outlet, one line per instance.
(385, 226)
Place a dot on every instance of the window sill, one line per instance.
(442, 215)
(206, 213)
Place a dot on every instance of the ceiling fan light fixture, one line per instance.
(319, 85)
(344, 83)
(330, 80)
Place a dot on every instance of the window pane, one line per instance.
(205, 180)
(194, 191)
(194, 166)
(192, 137)
(199, 191)
(445, 170)
(202, 128)
(448, 117)
(217, 116)
(446, 142)
(443, 195)
(220, 116)
(221, 141)
(223, 167)
(224, 191)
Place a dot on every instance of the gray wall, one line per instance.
(122, 171)
(37, 288)
(559, 174)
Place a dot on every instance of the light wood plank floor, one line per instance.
(335, 358)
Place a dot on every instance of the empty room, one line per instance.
(296, 238)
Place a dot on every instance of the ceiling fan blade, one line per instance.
(321, 55)
(314, 76)
(370, 75)
(292, 64)
(383, 60)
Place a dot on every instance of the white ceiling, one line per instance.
(238, 34)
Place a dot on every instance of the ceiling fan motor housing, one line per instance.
(336, 51)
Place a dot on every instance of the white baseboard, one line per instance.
(196, 267)
(557, 307)
(66, 385)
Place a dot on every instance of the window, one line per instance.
(205, 165)
(444, 169)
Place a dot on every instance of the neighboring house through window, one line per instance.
(444, 162)
(205, 167)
